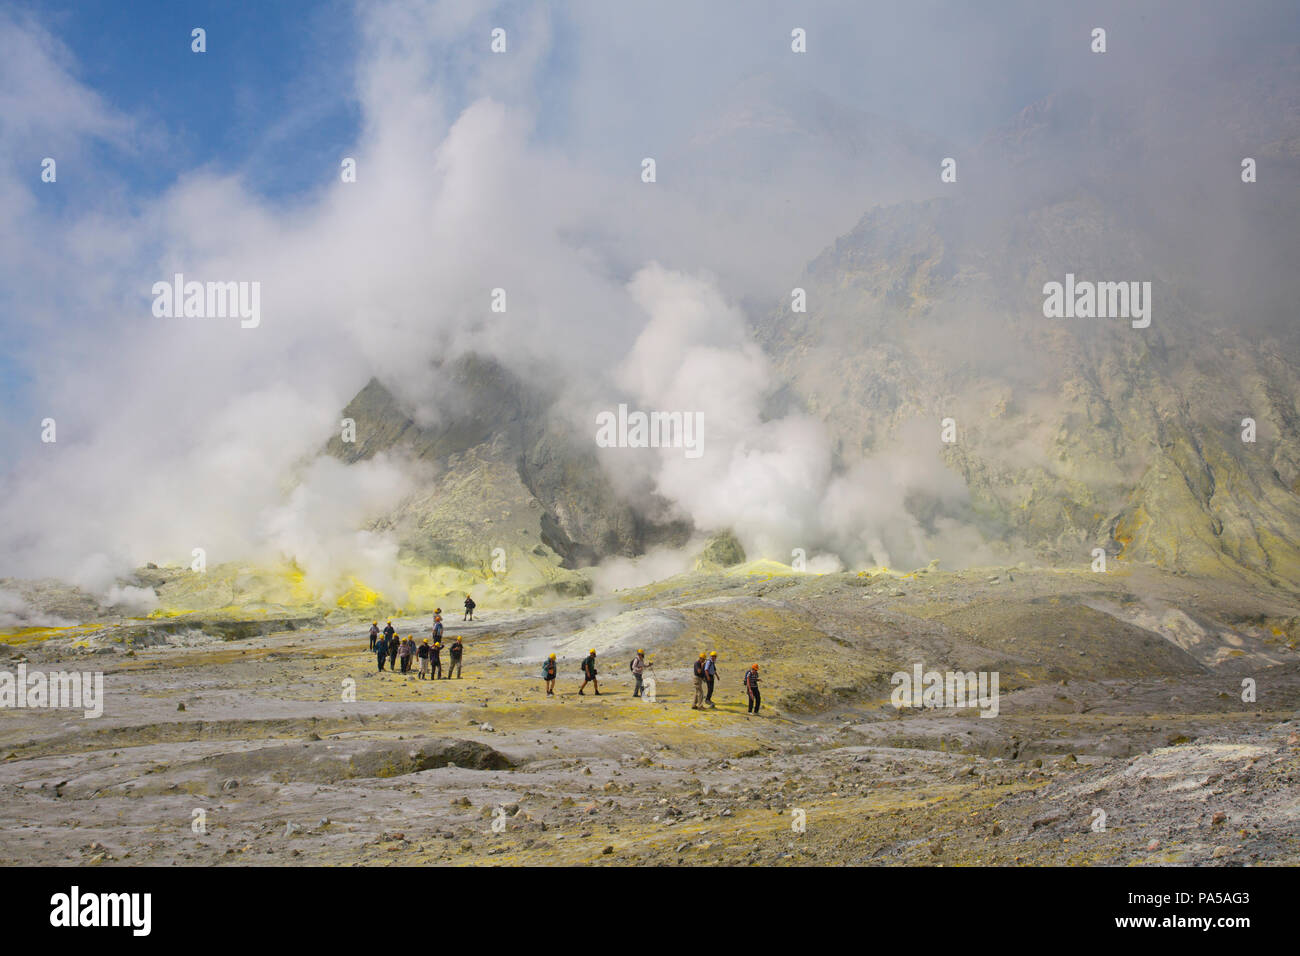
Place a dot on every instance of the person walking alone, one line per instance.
(548, 675)
(374, 635)
(589, 673)
(469, 608)
(638, 666)
(751, 687)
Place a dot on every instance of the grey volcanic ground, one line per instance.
(1120, 693)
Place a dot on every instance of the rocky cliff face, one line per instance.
(1069, 433)
(1083, 432)
(506, 471)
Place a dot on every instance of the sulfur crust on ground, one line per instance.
(1120, 694)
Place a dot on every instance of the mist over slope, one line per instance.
(1074, 433)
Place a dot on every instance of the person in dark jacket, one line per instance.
(423, 652)
(469, 608)
(435, 661)
(710, 675)
(589, 672)
(457, 649)
(751, 687)
(389, 630)
(548, 675)
(394, 648)
(374, 634)
(381, 649)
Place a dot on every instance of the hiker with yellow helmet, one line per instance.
(423, 653)
(456, 649)
(374, 635)
(548, 675)
(710, 675)
(589, 672)
(435, 661)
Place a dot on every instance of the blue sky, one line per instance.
(274, 87)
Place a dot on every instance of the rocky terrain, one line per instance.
(1121, 735)
(1147, 711)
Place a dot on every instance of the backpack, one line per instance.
(699, 669)
(631, 665)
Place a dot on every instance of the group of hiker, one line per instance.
(705, 673)
(389, 647)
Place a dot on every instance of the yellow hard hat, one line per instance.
(552, 656)
(592, 651)
(640, 650)
(702, 654)
(713, 653)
